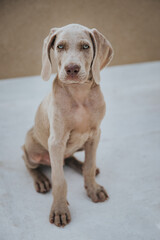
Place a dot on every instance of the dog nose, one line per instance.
(72, 69)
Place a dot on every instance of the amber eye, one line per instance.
(60, 46)
(85, 46)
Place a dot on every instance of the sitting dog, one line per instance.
(68, 119)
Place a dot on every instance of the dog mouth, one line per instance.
(74, 78)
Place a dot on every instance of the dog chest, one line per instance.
(87, 116)
(81, 119)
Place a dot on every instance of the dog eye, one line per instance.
(60, 46)
(85, 46)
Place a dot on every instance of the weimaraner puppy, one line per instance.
(68, 119)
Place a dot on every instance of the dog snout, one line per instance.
(72, 69)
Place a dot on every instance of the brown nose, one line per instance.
(72, 69)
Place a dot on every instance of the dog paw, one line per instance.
(60, 215)
(97, 193)
(42, 184)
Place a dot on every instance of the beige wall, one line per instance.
(132, 26)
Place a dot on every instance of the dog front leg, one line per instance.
(96, 192)
(59, 214)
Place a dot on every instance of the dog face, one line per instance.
(79, 53)
(73, 53)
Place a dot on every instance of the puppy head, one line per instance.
(78, 54)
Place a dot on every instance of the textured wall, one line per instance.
(131, 26)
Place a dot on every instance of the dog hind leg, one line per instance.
(41, 182)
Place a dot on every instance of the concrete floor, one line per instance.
(128, 157)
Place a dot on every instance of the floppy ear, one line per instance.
(103, 53)
(46, 58)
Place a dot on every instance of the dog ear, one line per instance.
(103, 53)
(46, 56)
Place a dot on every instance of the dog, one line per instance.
(68, 119)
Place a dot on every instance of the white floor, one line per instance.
(128, 156)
